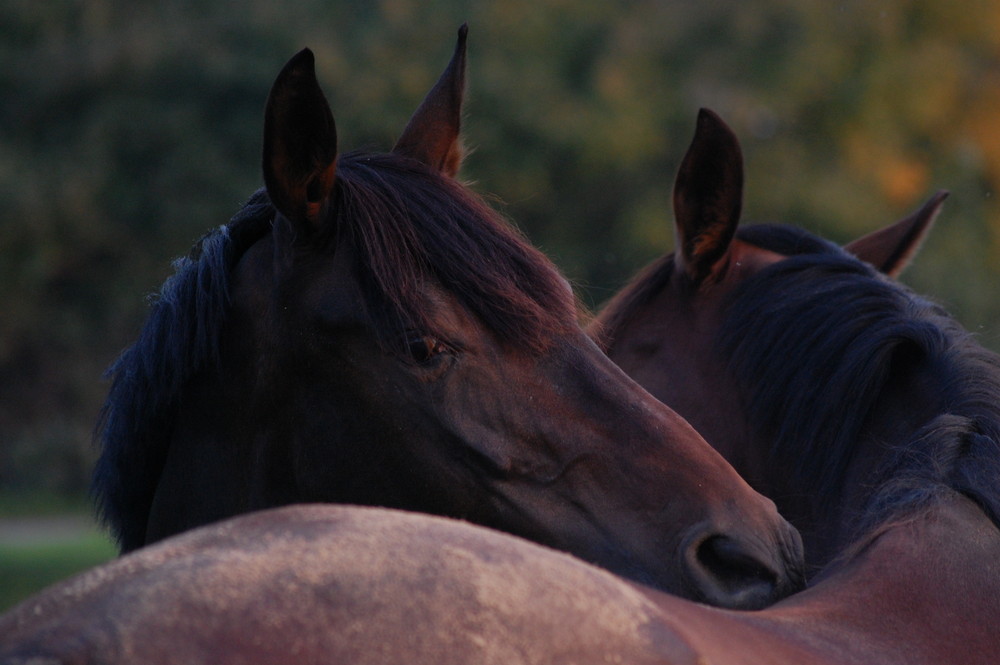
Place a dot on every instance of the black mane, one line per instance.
(812, 339)
(180, 338)
(408, 224)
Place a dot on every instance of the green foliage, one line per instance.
(128, 129)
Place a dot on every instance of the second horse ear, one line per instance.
(708, 198)
(300, 143)
(891, 249)
(432, 135)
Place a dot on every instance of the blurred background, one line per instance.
(129, 129)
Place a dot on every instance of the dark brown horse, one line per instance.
(368, 331)
(917, 584)
(805, 366)
(340, 584)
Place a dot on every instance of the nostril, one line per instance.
(731, 564)
(730, 576)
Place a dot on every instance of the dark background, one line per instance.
(129, 129)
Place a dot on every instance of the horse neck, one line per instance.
(936, 570)
(223, 457)
(211, 462)
(909, 399)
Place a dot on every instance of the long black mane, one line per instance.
(408, 226)
(814, 340)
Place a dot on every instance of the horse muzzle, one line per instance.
(741, 572)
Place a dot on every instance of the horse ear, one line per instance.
(300, 143)
(432, 135)
(708, 197)
(892, 248)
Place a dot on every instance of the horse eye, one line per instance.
(424, 348)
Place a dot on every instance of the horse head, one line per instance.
(696, 326)
(388, 340)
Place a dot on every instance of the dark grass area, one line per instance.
(29, 567)
(26, 504)
(45, 538)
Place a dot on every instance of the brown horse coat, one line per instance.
(338, 584)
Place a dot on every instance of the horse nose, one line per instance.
(742, 573)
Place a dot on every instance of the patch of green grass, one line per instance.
(29, 568)
(30, 504)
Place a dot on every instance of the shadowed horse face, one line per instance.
(757, 337)
(370, 332)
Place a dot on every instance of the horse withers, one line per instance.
(368, 331)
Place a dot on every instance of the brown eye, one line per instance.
(424, 348)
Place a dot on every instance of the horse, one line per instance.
(366, 330)
(808, 367)
(368, 585)
(327, 583)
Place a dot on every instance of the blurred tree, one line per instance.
(127, 130)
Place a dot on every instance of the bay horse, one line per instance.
(918, 584)
(812, 370)
(329, 583)
(368, 331)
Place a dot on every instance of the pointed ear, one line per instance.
(708, 198)
(432, 135)
(892, 248)
(300, 143)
